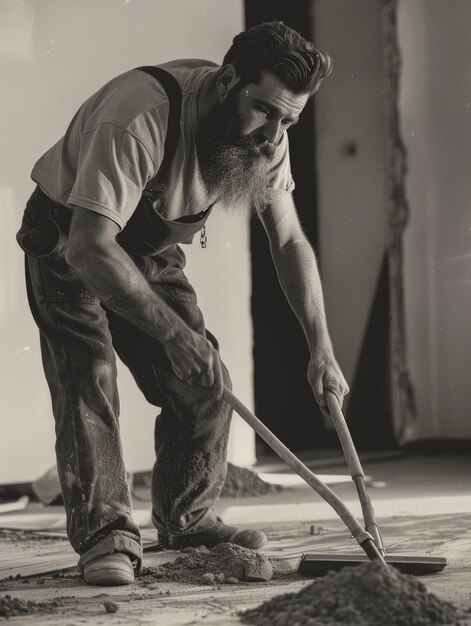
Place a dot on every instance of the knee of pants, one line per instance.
(98, 385)
(202, 409)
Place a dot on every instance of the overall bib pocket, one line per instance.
(44, 229)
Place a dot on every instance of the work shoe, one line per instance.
(216, 534)
(112, 569)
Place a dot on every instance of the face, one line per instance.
(267, 110)
(238, 139)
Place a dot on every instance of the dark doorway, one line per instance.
(283, 397)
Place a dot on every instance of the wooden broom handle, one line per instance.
(363, 537)
(355, 468)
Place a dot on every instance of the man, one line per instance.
(105, 273)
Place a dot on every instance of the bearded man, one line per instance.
(143, 163)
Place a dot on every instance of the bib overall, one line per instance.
(79, 338)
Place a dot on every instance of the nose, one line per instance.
(272, 131)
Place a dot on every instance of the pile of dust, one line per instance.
(242, 482)
(225, 563)
(10, 607)
(366, 595)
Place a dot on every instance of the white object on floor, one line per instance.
(259, 514)
(293, 480)
(38, 520)
(17, 505)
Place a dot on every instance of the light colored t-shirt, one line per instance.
(114, 146)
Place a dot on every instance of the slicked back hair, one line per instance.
(277, 48)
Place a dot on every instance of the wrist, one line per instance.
(174, 329)
(320, 343)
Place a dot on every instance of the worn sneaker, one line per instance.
(112, 569)
(216, 534)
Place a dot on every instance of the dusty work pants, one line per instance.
(79, 337)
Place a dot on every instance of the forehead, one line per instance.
(273, 92)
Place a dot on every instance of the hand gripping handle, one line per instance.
(363, 537)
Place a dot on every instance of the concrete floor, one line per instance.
(423, 505)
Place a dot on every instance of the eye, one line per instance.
(264, 111)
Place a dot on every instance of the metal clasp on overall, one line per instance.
(203, 238)
(154, 192)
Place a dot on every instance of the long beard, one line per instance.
(234, 167)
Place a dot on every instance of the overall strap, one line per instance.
(174, 95)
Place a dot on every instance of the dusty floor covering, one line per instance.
(242, 482)
(442, 527)
(366, 595)
(225, 563)
(176, 603)
(33, 537)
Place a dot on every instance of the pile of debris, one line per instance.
(10, 607)
(225, 563)
(366, 595)
(242, 482)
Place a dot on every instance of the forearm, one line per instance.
(113, 277)
(299, 278)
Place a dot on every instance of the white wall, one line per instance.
(436, 124)
(54, 54)
(435, 115)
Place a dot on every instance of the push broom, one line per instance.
(369, 538)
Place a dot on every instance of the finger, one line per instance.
(178, 372)
(207, 375)
(325, 412)
(318, 389)
(218, 377)
(335, 392)
(190, 378)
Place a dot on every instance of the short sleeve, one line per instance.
(281, 180)
(113, 169)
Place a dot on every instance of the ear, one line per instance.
(227, 80)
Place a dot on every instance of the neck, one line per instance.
(207, 97)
